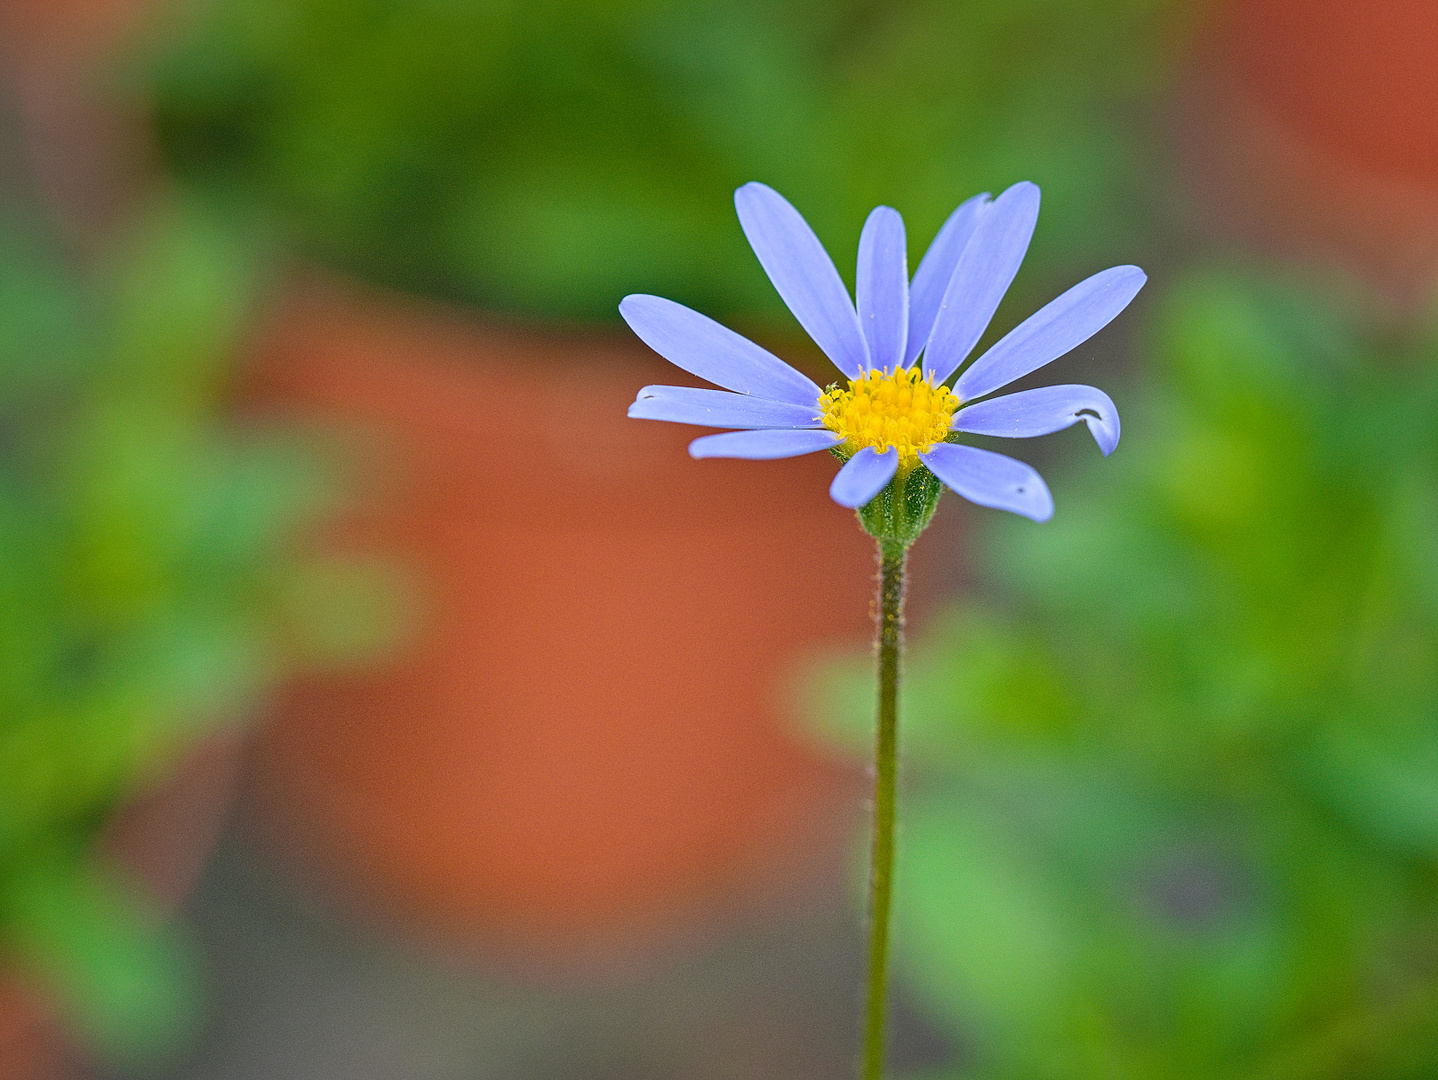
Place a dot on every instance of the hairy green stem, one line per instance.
(892, 558)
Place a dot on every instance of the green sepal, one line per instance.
(897, 515)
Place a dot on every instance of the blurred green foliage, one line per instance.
(548, 157)
(1174, 810)
(147, 587)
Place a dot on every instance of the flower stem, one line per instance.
(892, 558)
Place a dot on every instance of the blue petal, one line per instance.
(991, 479)
(1057, 327)
(703, 347)
(882, 287)
(719, 408)
(803, 274)
(985, 269)
(864, 476)
(935, 270)
(1038, 412)
(764, 445)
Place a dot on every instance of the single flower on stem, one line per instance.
(897, 349)
(897, 425)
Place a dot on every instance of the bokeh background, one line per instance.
(377, 702)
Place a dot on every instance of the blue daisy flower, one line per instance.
(897, 348)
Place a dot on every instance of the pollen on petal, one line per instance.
(890, 409)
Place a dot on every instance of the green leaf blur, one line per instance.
(146, 573)
(549, 158)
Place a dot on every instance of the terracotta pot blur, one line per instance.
(159, 839)
(84, 29)
(585, 738)
(32, 1046)
(1311, 127)
(88, 148)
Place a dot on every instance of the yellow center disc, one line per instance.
(883, 409)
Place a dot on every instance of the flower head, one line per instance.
(897, 346)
